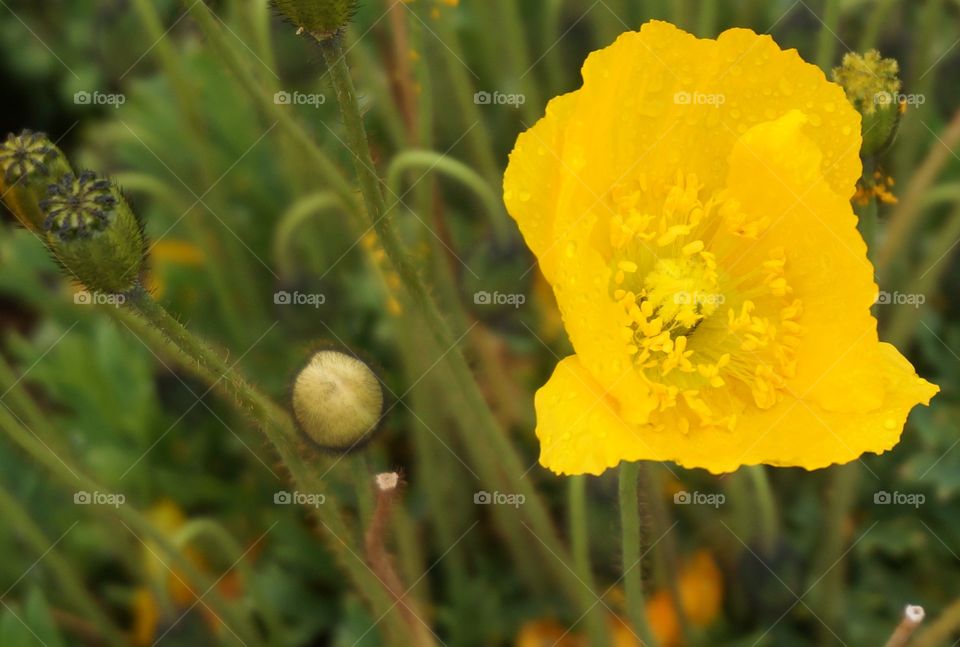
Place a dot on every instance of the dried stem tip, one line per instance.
(337, 401)
(321, 18)
(29, 163)
(387, 481)
(912, 617)
(93, 233)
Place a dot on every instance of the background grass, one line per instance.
(241, 213)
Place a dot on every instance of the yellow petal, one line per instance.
(579, 425)
(533, 177)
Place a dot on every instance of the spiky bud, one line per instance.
(320, 18)
(872, 85)
(337, 401)
(29, 163)
(94, 234)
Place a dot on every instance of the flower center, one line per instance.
(21, 155)
(694, 320)
(78, 206)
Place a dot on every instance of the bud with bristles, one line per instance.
(320, 18)
(872, 85)
(337, 401)
(29, 163)
(93, 233)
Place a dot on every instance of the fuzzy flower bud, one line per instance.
(873, 87)
(29, 163)
(93, 233)
(320, 18)
(337, 401)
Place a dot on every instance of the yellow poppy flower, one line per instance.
(689, 205)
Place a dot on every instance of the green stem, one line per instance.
(69, 581)
(877, 18)
(630, 548)
(552, 15)
(580, 539)
(490, 442)
(830, 594)
(323, 166)
(230, 302)
(463, 89)
(429, 161)
(931, 268)
(827, 38)
(290, 221)
(766, 507)
(707, 19)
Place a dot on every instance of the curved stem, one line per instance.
(630, 548)
(290, 221)
(428, 161)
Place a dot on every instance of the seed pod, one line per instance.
(338, 401)
(320, 18)
(29, 163)
(93, 233)
(872, 85)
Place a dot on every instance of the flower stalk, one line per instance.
(508, 469)
(580, 539)
(630, 548)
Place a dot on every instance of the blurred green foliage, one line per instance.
(215, 179)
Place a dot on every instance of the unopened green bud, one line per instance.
(320, 18)
(29, 163)
(337, 401)
(93, 233)
(872, 85)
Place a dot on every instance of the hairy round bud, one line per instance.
(872, 85)
(93, 233)
(320, 18)
(337, 401)
(29, 163)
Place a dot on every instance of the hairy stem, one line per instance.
(630, 548)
